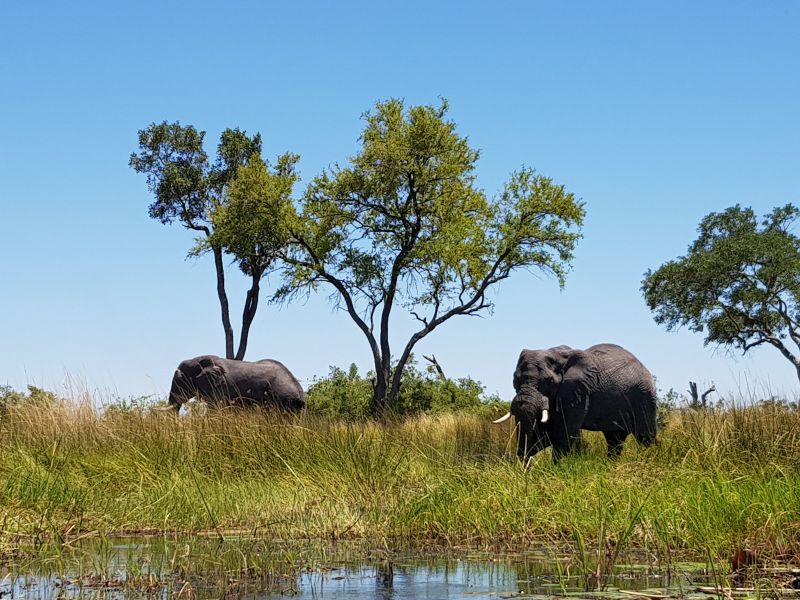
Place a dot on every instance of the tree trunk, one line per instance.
(705, 394)
(380, 401)
(223, 302)
(693, 392)
(393, 398)
(249, 313)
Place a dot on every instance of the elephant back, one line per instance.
(283, 388)
(618, 371)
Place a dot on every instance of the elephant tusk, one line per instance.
(544, 416)
(505, 417)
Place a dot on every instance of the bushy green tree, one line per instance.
(189, 188)
(739, 283)
(422, 392)
(349, 394)
(340, 394)
(252, 224)
(404, 224)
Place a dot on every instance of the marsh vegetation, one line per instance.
(718, 480)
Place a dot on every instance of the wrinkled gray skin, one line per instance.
(222, 382)
(603, 388)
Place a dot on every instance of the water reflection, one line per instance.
(257, 569)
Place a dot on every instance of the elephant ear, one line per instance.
(558, 358)
(211, 369)
(518, 370)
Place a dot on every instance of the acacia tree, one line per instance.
(188, 188)
(252, 224)
(739, 282)
(404, 225)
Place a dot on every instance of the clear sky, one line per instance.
(653, 113)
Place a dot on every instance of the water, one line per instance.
(204, 568)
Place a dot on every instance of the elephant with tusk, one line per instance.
(223, 382)
(561, 390)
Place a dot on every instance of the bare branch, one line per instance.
(435, 363)
(343, 293)
(705, 394)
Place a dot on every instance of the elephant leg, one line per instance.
(530, 442)
(645, 438)
(564, 434)
(615, 440)
(568, 418)
(565, 445)
(646, 426)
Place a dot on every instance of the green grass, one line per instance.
(718, 480)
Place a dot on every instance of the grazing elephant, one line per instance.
(224, 382)
(562, 390)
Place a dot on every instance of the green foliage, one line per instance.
(186, 185)
(340, 393)
(253, 224)
(739, 282)
(189, 188)
(667, 403)
(35, 397)
(404, 223)
(348, 394)
(422, 393)
(411, 192)
(132, 405)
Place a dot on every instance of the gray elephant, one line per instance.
(223, 382)
(562, 390)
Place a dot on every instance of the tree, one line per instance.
(253, 223)
(739, 282)
(188, 188)
(404, 225)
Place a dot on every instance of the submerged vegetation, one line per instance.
(720, 480)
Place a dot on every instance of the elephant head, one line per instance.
(200, 377)
(536, 380)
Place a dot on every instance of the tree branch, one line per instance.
(317, 265)
(439, 371)
(223, 301)
(397, 266)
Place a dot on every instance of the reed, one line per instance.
(718, 480)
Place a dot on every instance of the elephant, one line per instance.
(224, 382)
(562, 390)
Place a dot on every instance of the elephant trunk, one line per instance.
(180, 391)
(530, 407)
(532, 412)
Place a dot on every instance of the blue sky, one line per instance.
(653, 113)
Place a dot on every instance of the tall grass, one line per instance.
(717, 480)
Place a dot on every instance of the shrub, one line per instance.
(348, 394)
(667, 403)
(130, 405)
(340, 394)
(9, 398)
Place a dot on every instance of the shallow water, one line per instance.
(205, 568)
